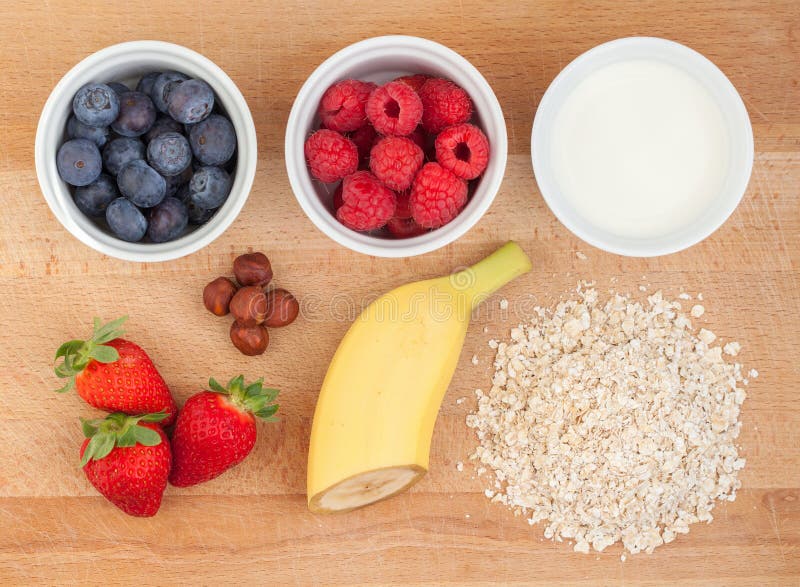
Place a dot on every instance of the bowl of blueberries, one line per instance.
(146, 151)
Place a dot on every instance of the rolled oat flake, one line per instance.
(611, 421)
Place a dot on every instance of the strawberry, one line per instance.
(114, 374)
(127, 459)
(217, 429)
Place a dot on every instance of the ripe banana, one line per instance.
(375, 414)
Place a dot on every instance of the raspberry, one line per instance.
(368, 204)
(404, 227)
(394, 109)
(342, 105)
(364, 138)
(419, 137)
(463, 149)
(444, 104)
(337, 198)
(414, 81)
(330, 156)
(395, 161)
(437, 196)
(403, 209)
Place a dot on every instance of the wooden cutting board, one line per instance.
(251, 525)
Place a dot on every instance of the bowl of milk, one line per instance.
(642, 147)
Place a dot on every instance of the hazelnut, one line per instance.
(250, 340)
(282, 308)
(217, 295)
(249, 305)
(252, 269)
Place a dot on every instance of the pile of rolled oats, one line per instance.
(611, 421)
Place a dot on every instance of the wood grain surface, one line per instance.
(251, 525)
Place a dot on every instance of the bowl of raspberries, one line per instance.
(146, 151)
(395, 146)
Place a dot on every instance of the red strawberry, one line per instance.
(127, 459)
(217, 429)
(114, 374)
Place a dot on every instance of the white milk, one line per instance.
(640, 148)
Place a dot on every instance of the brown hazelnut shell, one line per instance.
(249, 306)
(282, 308)
(252, 269)
(217, 295)
(250, 340)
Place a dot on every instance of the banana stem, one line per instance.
(487, 276)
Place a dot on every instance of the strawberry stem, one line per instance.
(118, 430)
(76, 354)
(253, 398)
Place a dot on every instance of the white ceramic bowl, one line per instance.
(380, 60)
(740, 136)
(127, 62)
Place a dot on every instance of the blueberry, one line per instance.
(141, 184)
(94, 198)
(121, 151)
(177, 182)
(119, 88)
(145, 84)
(96, 105)
(210, 187)
(136, 114)
(162, 124)
(169, 153)
(78, 162)
(163, 85)
(191, 101)
(126, 220)
(168, 220)
(213, 140)
(77, 130)
(197, 215)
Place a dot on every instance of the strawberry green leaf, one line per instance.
(107, 332)
(253, 398)
(117, 420)
(256, 404)
(105, 444)
(98, 448)
(68, 348)
(146, 436)
(118, 430)
(87, 455)
(67, 368)
(215, 386)
(236, 385)
(70, 384)
(254, 388)
(63, 370)
(89, 428)
(77, 354)
(104, 354)
(271, 394)
(267, 412)
(128, 438)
